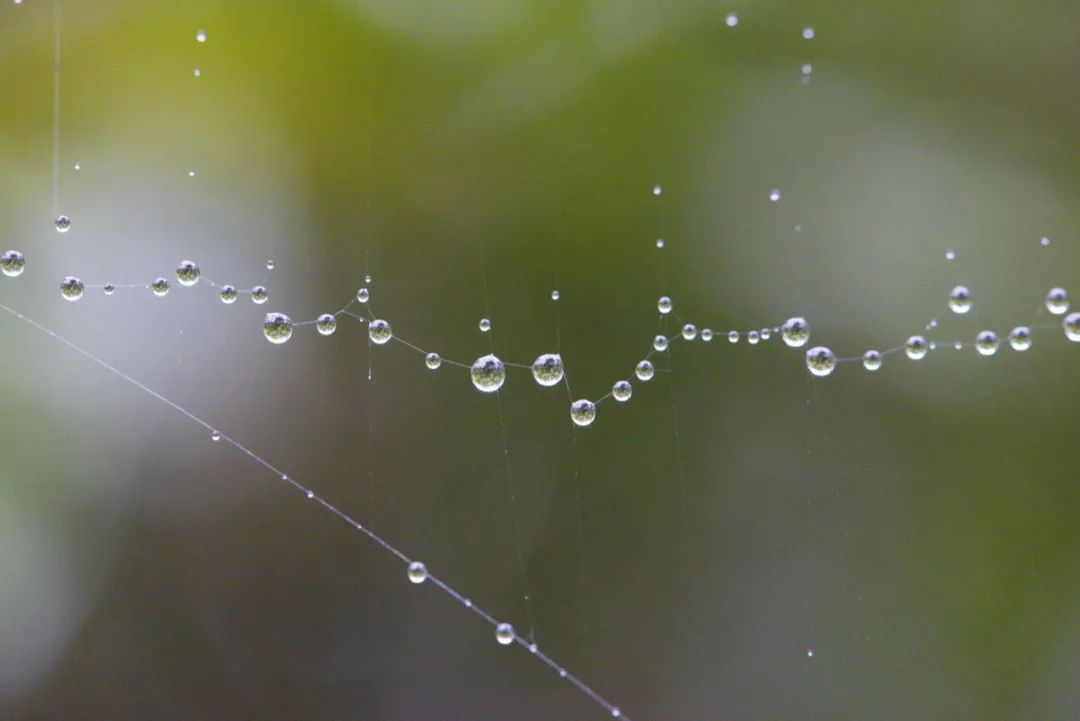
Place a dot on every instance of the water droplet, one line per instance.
(277, 327)
(659, 242)
(555, 295)
(270, 264)
(310, 494)
(795, 332)
(488, 373)
(109, 289)
(987, 342)
(547, 369)
(71, 288)
(731, 20)
(363, 294)
(197, 73)
(1044, 241)
(622, 391)
(326, 324)
(160, 287)
(766, 334)
(63, 224)
(657, 190)
(960, 299)
(228, 294)
(417, 572)
(774, 195)
(752, 337)
(379, 332)
(707, 335)
(808, 33)
(958, 345)
(187, 273)
(583, 412)
(689, 331)
(259, 295)
(733, 336)
(367, 279)
(1057, 301)
(1020, 338)
(433, 360)
(533, 648)
(504, 634)
(1071, 324)
(820, 360)
(644, 370)
(660, 343)
(871, 360)
(807, 68)
(616, 712)
(215, 436)
(485, 325)
(664, 304)
(200, 36)
(916, 347)
(950, 254)
(77, 166)
(12, 263)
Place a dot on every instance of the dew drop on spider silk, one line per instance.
(820, 360)
(795, 332)
(547, 369)
(689, 331)
(731, 20)
(733, 336)
(660, 343)
(960, 300)
(504, 634)
(228, 294)
(277, 327)
(12, 263)
(200, 36)
(752, 337)
(555, 295)
(379, 332)
(707, 335)
(326, 324)
(485, 325)
(622, 391)
(109, 289)
(215, 436)
(774, 195)
(657, 190)
(71, 288)
(187, 273)
(987, 342)
(270, 264)
(664, 304)
(160, 287)
(1057, 301)
(871, 360)
(417, 572)
(259, 295)
(916, 347)
(63, 224)
(583, 412)
(488, 373)
(644, 370)
(433, 361)
(362, 295)
(1071, 324)
(1020, 338)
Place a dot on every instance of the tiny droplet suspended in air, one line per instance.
(63, 224)
(504, 634)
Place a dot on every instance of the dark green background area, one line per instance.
(915, 528)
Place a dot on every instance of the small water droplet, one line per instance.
(583, 412)
(660, 343)
(657, 190)
(326, 324)
(916, 347)
(12, 263)
(63, 224)
(71, 288)
(622, 391)
(774, 195)
(363, 294)
(160, 287)
(950, 254)
(379, 332)
(871, 360)
(820, 361)
(417, 572)
(277, 327)
(259, 295)
(215, 436)
(485, 325)
(659, 242)
(987, 342)
(808, 33)
(1071, 324)
(664, 304)
(200, 36)
(1020, 338)
(1057, 301)
(433, 361)
(644, 370)
(795, 332)
(504, 634)
(555, 294)
(731, 20)
(960, 299)
(228, 294)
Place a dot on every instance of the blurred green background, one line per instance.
(914, 529)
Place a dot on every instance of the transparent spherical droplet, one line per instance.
(200, 36)
(731, 20)
(433, 361)
(766, 333)
(259, 295)
(616, 712)
(644, 370)
(820, 360)
(71, 288)
(187, 273)
(215, 436)
(958, 345)
(417, 572)
(326, 324)
(808, 33)
(363, 294)
(807, 68)
(622, 391)
(659, 242)
(488, 373)
(689, 331)
(485, 325)
(707, 335)
(555, 295)
(547, 369)
(583, 412)
(12, 263)
(660, 343)
(657, 190)
(733, 336)
(160, 287)
(63, 224)
(504, 634)
(1020, 338)
(752, 337)
(270, 264)
(109, 289)
(1057, 301)
(1071, 324)
(871, 360)
(960, 300)
(379, 332)
(1044, 241)
(987, 342)
(664, 304)
(795, 332)
(228, 294)
(950, 254)
(277, 327)
(774, 195)
(916, 347)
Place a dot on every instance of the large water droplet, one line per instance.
(795, 332)
(548, 369)
(379, 332)
(622, 391)
(187, 273)
(583, 412)
(644, 370)
(664, 304)
(228, 294)
(71, 288)
(1071, 324)
(433, 361)
(916, 347)
(960, 299)
(820, 360)
(689, 331)
(1057, 301)
(63, 224)
(504, 634)
(871, 360)
(987, 342)
(326, 324)
(277, 327)
(259, 295)
(488, 373)
(1020, 338)
(12, 263)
